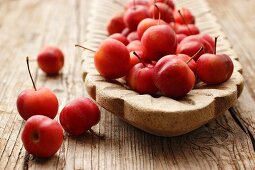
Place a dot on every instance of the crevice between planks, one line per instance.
(235, 115)
(26, 161)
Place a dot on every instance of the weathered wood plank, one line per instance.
(18, 39)
(241, 35)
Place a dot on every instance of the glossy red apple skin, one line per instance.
(79, 116)
(147, 23)
(166, 13)
(133, 36)
(139, 49)
(134, 15)
(208, 39)
(112, 59)
(214, 69)
(189, 29)
(180, 37)
(116, 24)
(42, 136)
(126, 31)
(133, 59)
(134, 46)
(159, 40)
(190, 48)
(192, 64)
(32, 102)
(173, 77)
(119, 37)
(51, 60)
(140, 79)
(191, 44)
(189, 17)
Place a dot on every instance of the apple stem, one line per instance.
(134, 4)
(140, 59)
(185, 23)
(201, 48)
(159, 13)
(97, 135)
(154, 11)
(27, 59)
(215, 44)
(77, 45)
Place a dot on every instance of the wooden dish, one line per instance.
(160, 116)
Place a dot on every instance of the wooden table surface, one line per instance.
(26, 26)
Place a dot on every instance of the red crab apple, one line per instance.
(79, 116)
(192, 64)
(50, 59)
(111, 59)
(189, 29)
(147, 23)
(42, 136)
(132, 36)
(159, 40)
(180, 37)
(170, 3)
(186, 16)
(208, 39)
(140, 78)
(134, 46)
(120, 37)
(189, 60)
(138, 48)
(133, 59)
(126, 31)
(41, 101)
(173, 77)
(161, 10)
(134, 15)
(191, 44)
(116, 24)
(214, 68)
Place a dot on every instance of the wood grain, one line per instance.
(26, 26)
(242, 36)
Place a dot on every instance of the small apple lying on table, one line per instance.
(41, 101)
(50, 60)
(79, 116)
(42, 136)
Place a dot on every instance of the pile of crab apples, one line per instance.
(158, 49)
(42, 136)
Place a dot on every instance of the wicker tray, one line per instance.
(160, 116)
